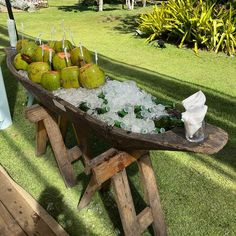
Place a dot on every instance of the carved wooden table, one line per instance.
(51, 117)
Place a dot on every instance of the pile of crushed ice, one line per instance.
(120, 104)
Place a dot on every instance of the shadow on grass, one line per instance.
(207, 162)
(4, 42)
(189, 194)
(128, 24)
(81, 7)
(51, 198)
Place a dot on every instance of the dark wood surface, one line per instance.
(215, 140)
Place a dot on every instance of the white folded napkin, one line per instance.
(195, 112)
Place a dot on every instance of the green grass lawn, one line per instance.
(198, 192)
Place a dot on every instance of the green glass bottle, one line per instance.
(102, 110)
(84, 106)
(122, 113)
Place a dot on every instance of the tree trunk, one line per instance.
(129, 5)
(100, 5)
(144, 3)
(132, 4)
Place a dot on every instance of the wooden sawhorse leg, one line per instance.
(41, 138)
(133, 224)
(151, 194)
(48, 127)
(106, 167)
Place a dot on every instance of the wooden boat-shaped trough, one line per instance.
(173, 139)
(127, 148)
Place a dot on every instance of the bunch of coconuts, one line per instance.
(58, 64)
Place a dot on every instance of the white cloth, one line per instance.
(5, 116)
(195, 112)
(12, 32)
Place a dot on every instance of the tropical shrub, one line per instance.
(196, 23)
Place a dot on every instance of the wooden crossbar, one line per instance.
(113, 167)
(108, 168)
(144, 219)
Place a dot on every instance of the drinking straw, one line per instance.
(50, 58)
(65, 52)
(63, 33)
(42, 53)
(38, 39)
(81, 51)
(63, 25)
(53, 31)
(63, 42)
(71, 37)
(10, 14)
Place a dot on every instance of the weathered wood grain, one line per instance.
(47, 128)
(145, 218)
(151, 195)
(74, 154)
(125, 204)
(32, 220)
(88, 194)
(100, 159)
(8, 225)
(82, 135)
(60, 151)
(41, 138)
(35, 113)
(63, 125)
(109, 167)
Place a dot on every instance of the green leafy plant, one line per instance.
(199, 24)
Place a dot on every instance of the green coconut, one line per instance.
(51, 80)
(77, 59)
(28, 50)
(42, 53)
(58, 45)
(20, 44)
(51, 44)
(91, 76)
(70, 77)
(36, 70)
(59, 61)
(19, 63)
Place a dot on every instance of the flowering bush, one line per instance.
(27, 4)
